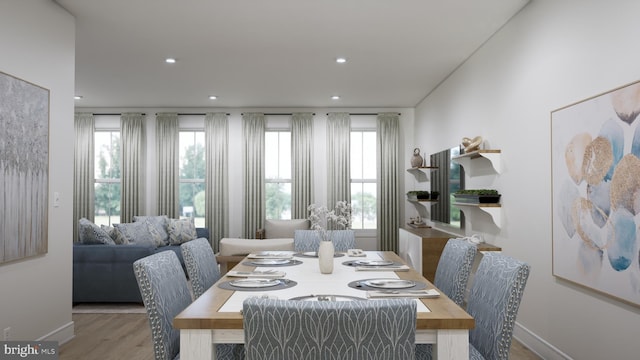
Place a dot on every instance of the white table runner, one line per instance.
(312, 282)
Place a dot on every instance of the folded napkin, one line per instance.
(270, 255)
(426, 293)
(356, 253)
(383, 268)
(257, 274)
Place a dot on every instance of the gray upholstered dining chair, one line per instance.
(318, 330)
(201, 265)
(454, 267)
(308, 240)
(164, 290)
(494, 300)
(165, 294)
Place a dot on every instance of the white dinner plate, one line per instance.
(254, 283)
(270, 261)
(273, 254)
(389, 283)
(373, 262)
(310, 253)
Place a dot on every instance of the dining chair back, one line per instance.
(494, 300)
(318, 330)
(164, 291)
(201, 265)
(308, 240)
(454, 267)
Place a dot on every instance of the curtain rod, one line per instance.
(365, 114)
(111, 114)
(279, 114)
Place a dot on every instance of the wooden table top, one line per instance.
(203, 312)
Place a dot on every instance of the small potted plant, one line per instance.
(434, 195)
(412, 196)
(422, 195)
(477, 196)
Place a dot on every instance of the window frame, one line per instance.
(182, 181)
(368, 232)
(289, 180)
(108, 181)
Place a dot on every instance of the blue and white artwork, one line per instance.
(595, 150)
(24, 168)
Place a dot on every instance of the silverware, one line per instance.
(256, 272)
(403, 291)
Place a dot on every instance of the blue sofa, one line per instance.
(104, 273)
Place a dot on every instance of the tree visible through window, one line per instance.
(107, 188)
(278, 174)
(192, 175)
(363, 179)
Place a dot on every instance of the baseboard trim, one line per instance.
(538, 345)
(62, 334)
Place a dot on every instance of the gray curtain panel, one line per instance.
(167, 158)
(253, 125)
(338, 158)
(387, 130)
(83, 175)
(302, 163)
(216, 129)
(132, 155)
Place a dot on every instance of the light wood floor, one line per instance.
(128, 336)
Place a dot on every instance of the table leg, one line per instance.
(451, 345)
(196, 345)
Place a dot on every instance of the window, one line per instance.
(278, 174)
(191, 179)
(107, 177)
(363, 179)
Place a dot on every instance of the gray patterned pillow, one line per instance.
(140, 233)
(158, 225)
(90, 233)
(181, 231)
(115, 235)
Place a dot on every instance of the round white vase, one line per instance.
(325, 256)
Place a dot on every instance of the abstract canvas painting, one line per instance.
(24, 168)
(595, 168)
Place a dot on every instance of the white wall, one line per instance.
(552, 54)
(37, 39)
(364, 239)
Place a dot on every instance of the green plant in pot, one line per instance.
(483, 196)
(434, 195)
(422, 195)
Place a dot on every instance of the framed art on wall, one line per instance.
(595, 170)
(24, 168)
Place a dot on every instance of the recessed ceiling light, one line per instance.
(77, 97)
(170, 60)
(341, 60)
(212, 97)
(335, 97)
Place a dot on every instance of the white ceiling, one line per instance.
(274, 53)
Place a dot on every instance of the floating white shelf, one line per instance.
(422, 173)
(423, 201)
(423, 168)
(493, 157)
(493, 210)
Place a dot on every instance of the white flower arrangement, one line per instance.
(323, 221)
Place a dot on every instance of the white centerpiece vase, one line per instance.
(326, 251)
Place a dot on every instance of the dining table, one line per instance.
(216, 316)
